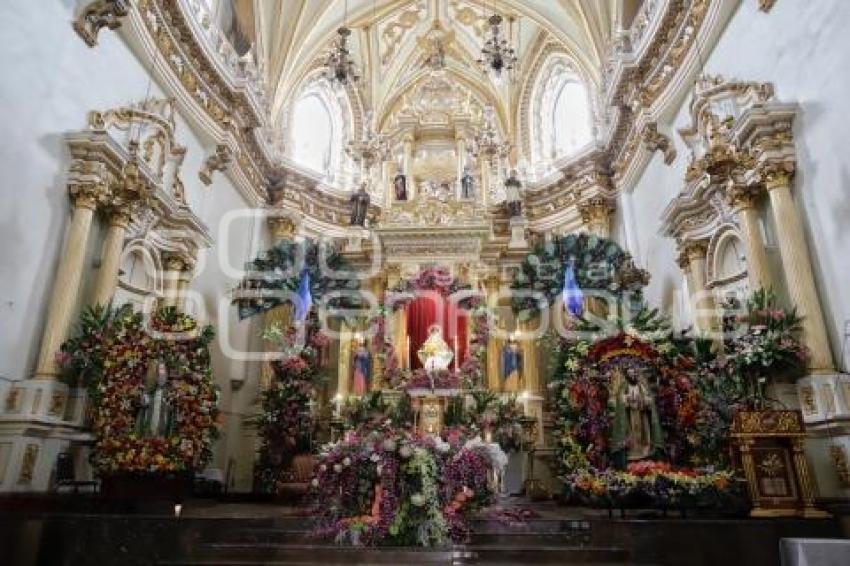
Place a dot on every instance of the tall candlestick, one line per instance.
(456, 354)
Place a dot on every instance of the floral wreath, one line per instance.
(123, 348)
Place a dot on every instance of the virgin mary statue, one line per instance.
(435, 354)
(636, 430)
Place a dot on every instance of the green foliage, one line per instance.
(597, 262)
(403, 413)
(455, 413)
(280, 269)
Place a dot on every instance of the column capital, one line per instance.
(282, 227)
(742, 197)
(119, 216)
(177, 262)
(777, 175)
(596, 209)
(684, 262)
(695, 250)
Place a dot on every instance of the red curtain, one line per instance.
(429, 309)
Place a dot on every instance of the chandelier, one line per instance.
(487, 141)
(371, 148)
(496, 55)
(339, 67)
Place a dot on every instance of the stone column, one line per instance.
(494, 379)
(530, 370)
(486, 179)
(110, 259)
(379, 285)
(66, 283)
(596, 214)
(184, 279)
(346, 337)
(407, 165)
(744, 203)
(701, 300)
(387, 180)
(174, 267)
(797, 267)
(461, 160)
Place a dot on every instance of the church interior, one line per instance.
(425, 282)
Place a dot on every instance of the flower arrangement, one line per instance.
(384, 486)
(286, 425)
(657, 484)
(431, 279)
(112, 354)
(422, 379)
(769, 344)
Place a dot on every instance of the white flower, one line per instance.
(389, 445)
(323, 468)
(315, 482)
(417, 499)
(375, 458)
(346, 461)
(379, 469)
(405, 452)
(441, 445)
(337, 468)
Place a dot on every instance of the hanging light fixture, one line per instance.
(339, 66)
(497, 55)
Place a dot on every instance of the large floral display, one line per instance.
(382, 485)
(114, 354)
(286, 425)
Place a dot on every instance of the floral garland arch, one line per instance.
(598, 264)
(281, 268)
(112, 356)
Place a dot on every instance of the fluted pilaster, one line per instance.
(797, 266)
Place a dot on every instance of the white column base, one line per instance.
(825, 402)
(519, 227)
(38, 420)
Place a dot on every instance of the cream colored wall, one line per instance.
(50, 81)
(799, 47)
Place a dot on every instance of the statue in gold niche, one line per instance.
(435, 354)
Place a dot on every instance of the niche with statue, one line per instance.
(153, 401)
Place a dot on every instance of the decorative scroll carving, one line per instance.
(98, 15)
(766, 5)
(654, 140)
(220, 160)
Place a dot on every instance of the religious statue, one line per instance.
(359, 206)
(511, 365)
(513, 186)
(636, 430)
(400, 187)
(362, 369)
(467, 185)
(155, 416)
(435, 354)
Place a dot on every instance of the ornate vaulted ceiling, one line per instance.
(390, 41)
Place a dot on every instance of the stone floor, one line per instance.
(221, 533)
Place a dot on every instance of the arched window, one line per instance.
(560, 119)
(570, 120)
(319, 125)
(312, 133)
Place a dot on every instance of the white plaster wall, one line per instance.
(51, 80)
(801, 48)
(655, 253)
